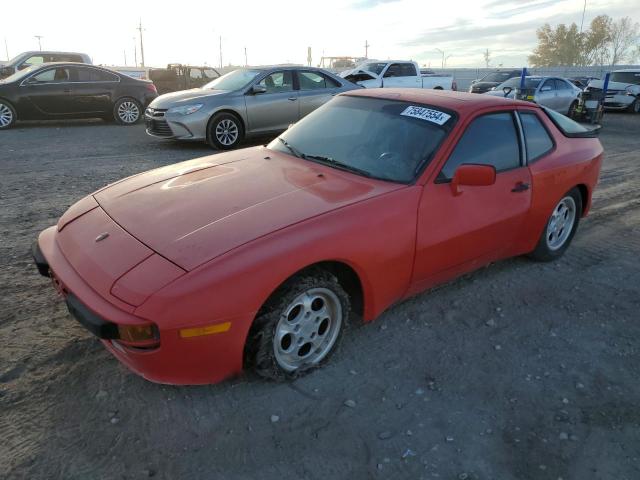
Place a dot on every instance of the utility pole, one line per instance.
(220, 51)
(125, 56)
(584, 9)
(135, 52)
(141, 45)
(246, 64)
(39, 37)
(6, 47)
(366, 49)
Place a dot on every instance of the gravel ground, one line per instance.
(518, 371)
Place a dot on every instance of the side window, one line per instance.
(489, 140)
(35, 60)
(394, 70)
(195, 73)
(536, 137)
(53, 75)
(210, 73)
(408, 70)
(548, 85)
(278, 82)
(94, 75)
(313, 81)
(561, 84)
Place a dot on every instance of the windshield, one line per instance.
(20, 74)
(515, 83)
(375, 67)
(379, 138)
(626, 77)
(499, 76)
(233, 80)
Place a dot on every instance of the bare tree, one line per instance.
(624, 35)
(487, 58)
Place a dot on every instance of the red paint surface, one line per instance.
(207, 241)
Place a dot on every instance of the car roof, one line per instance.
(460, 102)
(632, 70)
(51, 52)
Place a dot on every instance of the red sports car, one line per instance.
(261, 257)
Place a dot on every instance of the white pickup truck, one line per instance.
(395, 74)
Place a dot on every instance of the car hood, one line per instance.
(485, 85)
(194, 211)
(500, 93)
(184, 97)
(612, 85)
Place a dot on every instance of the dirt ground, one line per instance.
(518, 371)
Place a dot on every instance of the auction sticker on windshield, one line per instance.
(427, 114)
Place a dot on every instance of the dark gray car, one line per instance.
(243, 103)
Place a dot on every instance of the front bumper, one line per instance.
(177, 361)
(618, 101)
(161, 124)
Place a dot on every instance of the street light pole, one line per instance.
(220, 51)
(442, 53)
(6, 47)
(39, 37)
(135, 52)
(141, 45)
(584, 9)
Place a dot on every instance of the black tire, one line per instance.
(571, 113)
(260, 351)
(544, 251)
(127, 111)
(8, 115)
(635, 106)
(225, 131)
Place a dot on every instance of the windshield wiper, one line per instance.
(292, 149)
(337, 164)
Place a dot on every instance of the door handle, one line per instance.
(520, 187)
(292, 98)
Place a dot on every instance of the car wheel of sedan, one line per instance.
(225, 131)
(7, 115)
(300, 327)
(127, 111)
(560, 228)
(635, 106)
(571, 113)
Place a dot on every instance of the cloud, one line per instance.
(525, 7)
(372, 3)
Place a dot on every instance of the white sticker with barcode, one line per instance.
(427, 114)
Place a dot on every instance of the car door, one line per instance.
(547, 94)
(90, 90)
(314, 90)
(565, 95)
(275, 108)
(459, 232)
(47, 91)
(401, 75)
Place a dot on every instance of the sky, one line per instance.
(281, 31)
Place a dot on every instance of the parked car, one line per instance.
(72, 90)
(492, 80)
(556, 93)
(395, 74)
(427, 72)
(243, 103)
(581, 82)
(28, 59)
(178, 77)
(260, 258)
(623, 91)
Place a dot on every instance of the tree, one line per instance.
(624, 35)
(487, 58)
(560, 46)
(596, 41)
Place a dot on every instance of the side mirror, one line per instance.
(546, 88)
(507, 91)
(472, 176)
(256, 89)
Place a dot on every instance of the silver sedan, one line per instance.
(243, 103)
(552, 92)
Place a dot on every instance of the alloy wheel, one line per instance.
(227, 132)
(128, 112)
(561, 223)
(6, 115)
(307, 329)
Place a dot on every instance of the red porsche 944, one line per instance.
(259, 258)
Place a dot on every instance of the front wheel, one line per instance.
(7, 115)
(560, 228)
(300, 328)
(635, 106)
(224, 131)
(571, 113)
(127, 111)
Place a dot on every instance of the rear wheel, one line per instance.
(560, 228)
(7, 115)
(224, 131)
(127, 111)
(300, 327)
